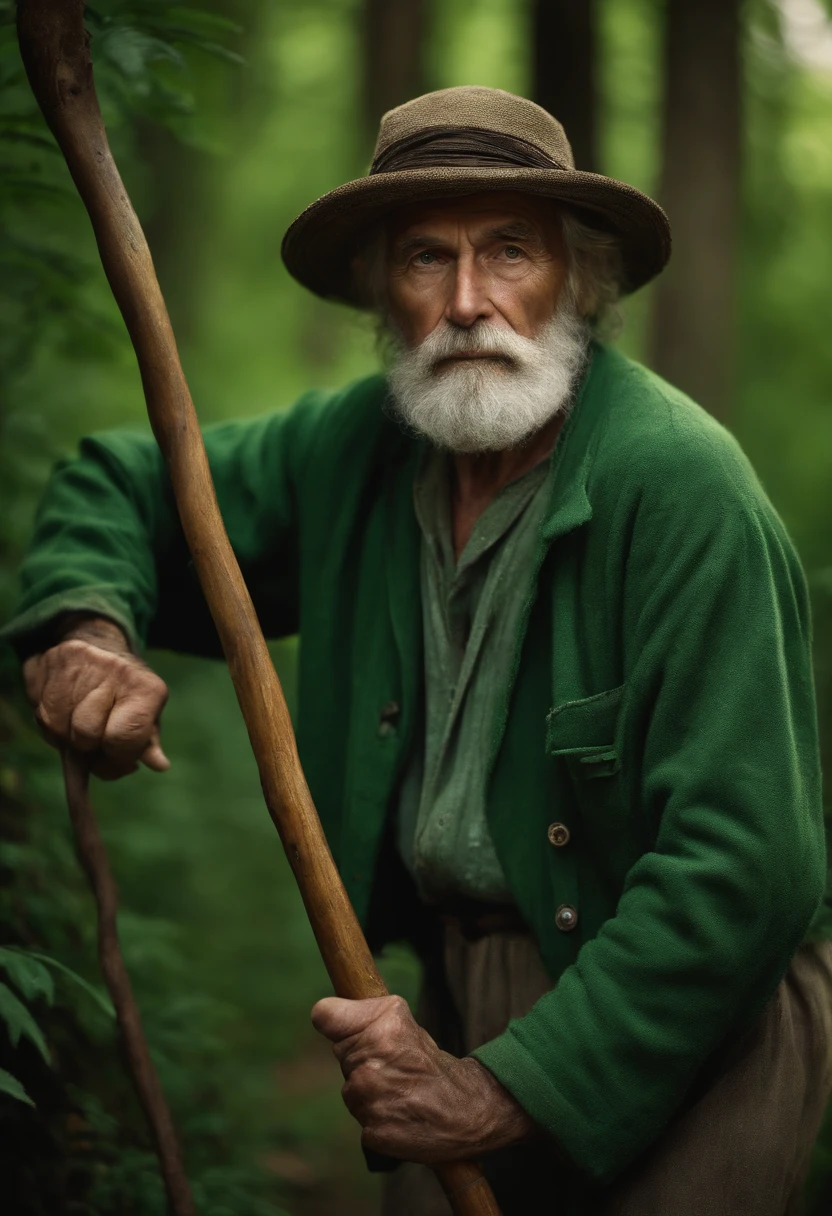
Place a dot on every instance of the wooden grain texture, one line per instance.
(55, 51)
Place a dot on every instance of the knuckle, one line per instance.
(71, 652)
(374, 1139)
(158, 690)
(365, 1075)
(158, 685)
(151, 688)
(84, 733)
(394, 1016)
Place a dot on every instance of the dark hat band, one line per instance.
(461, 146)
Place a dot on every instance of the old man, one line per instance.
(556, 703)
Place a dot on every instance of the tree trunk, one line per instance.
(179, 220)
(563, 68)
(394, 41)
(694, 323)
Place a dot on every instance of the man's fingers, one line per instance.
(34, 671)
(101, 700)
(153, 756)
(54, 709)
(337, 1019)
(129, 727)
(90, 717)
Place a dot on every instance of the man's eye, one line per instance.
(426, 258)
(512, 252)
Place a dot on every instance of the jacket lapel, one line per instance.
(404, 593)
(569, 508)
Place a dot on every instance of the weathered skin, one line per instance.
(92, 692)
(411, 1099)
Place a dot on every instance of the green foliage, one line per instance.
(100, 998)
(141, 56)
(28, 974)
(11, 1086)
(19, 1022)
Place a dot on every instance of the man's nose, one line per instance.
(468, 301)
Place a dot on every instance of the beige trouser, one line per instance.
(741, 1148)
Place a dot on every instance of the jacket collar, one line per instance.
(570, 506)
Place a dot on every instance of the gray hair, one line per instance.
(593, 282)
(596, 271)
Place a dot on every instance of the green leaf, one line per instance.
(201, 21)
(102, 1001)
(132, 51)
(28, 974)
(20, 1022)
(10, 1085)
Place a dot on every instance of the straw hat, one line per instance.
(465, 141)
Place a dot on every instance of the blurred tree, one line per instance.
(176, 157)
(694, 323)
(564, 55)
(394, 56)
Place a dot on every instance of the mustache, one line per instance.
(479, 405)
(481, 340)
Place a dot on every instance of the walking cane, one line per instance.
(55, 50)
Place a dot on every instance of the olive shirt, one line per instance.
(659, 703)
(470, 610)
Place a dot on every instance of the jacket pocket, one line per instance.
(584, 737)
(586, 731)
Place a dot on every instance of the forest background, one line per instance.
(226, 121)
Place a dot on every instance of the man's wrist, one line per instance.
(99, 631)
(510, 1123)
(504, 1119)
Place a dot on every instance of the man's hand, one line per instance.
(92, 692)
(413, 1100)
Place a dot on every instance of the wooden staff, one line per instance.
(55, 50)
(93, 857)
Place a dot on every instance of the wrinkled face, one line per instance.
(486, 339)
(496, 257)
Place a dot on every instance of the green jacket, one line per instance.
(662, 705)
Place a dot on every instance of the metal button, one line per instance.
(388, 719)
(566, 918)
(558, 834)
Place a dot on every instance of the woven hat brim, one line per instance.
(319, 246)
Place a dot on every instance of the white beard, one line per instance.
(483, 406)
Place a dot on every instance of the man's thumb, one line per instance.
(153, 756)
(337, 1018)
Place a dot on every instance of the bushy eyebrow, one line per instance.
(514, 230)
(410, 244)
